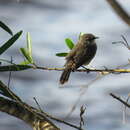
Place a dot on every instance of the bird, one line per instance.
(81, 54)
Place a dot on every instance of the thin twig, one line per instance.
(60, 120)
(114, 71)
(41, 114)
(125, 42)
(82, 92)
(84, 89)
(82, 111)
(39, 107)
(10, 73)
(124, 115)
(121, 100)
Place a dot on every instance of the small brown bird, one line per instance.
(82, 53)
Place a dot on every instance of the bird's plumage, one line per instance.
(82, 53)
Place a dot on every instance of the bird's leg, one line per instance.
(85, 68)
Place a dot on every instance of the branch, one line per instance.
(104, 71)
(120, 100)
(37, 119)
(5, 91)
(15, 109)
(120, 11)
(24, 67)
(23, 111)
(62, 121)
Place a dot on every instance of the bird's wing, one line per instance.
(85, 56)
(72, 53)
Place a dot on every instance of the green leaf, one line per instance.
(69, 43)
(26, 62)
(26, 55)
(14, 68)
(27, 52)
(29, 44)
(61, 54)
(6, 28)
(10, 42)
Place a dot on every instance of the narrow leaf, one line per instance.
(26, 62)
(26, 55)
(29, 44)
(14, 68)
(10, 42)
(61, 54)
(6, 28)
(69, 43)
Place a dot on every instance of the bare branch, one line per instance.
(82, 111)
(121, 100)
(126, 44)
(120, 11)
(37, 119)
(103, 71)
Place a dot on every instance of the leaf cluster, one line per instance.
(26, 52)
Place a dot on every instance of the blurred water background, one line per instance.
(49, 23)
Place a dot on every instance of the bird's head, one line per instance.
(88, 37)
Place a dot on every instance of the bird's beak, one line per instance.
(96, 37)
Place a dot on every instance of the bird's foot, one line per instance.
(85, 68)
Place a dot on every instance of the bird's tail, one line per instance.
(65, 75)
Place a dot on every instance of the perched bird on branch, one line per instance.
(82, 53)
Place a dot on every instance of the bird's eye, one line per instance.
(90, 38)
